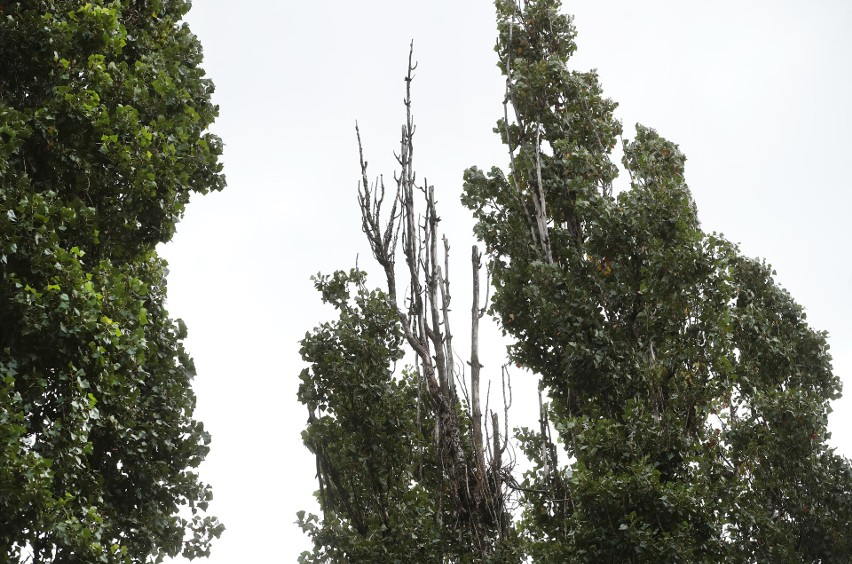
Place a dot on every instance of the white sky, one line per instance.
(756, 94)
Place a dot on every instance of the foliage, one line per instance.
(103, 118)
(686, 388)
(688, 396)
(381, 492)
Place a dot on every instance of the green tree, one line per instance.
(103, 117)
(687, 397)
(686, 387)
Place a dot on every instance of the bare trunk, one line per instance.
(475, 366)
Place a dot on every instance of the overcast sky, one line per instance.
(757, 94)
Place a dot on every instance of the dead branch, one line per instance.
(475, 367)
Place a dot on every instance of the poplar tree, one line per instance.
(104, 111)
(686, 387)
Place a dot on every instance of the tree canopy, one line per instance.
(104, 111)
(685, 397)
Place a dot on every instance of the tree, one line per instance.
(685, 397)
(402, 472)
(103, 117)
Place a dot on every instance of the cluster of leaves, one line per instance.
(686, 387)
(103, 118)
(382, 491)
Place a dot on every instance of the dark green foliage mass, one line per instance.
(686, 387)
(362, 429)
(382, 493)
(103, 117)
(687, 394)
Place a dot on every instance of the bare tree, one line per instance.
(424, 313)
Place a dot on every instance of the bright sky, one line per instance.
(756, 94)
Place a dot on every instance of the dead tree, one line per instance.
(422, 297)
